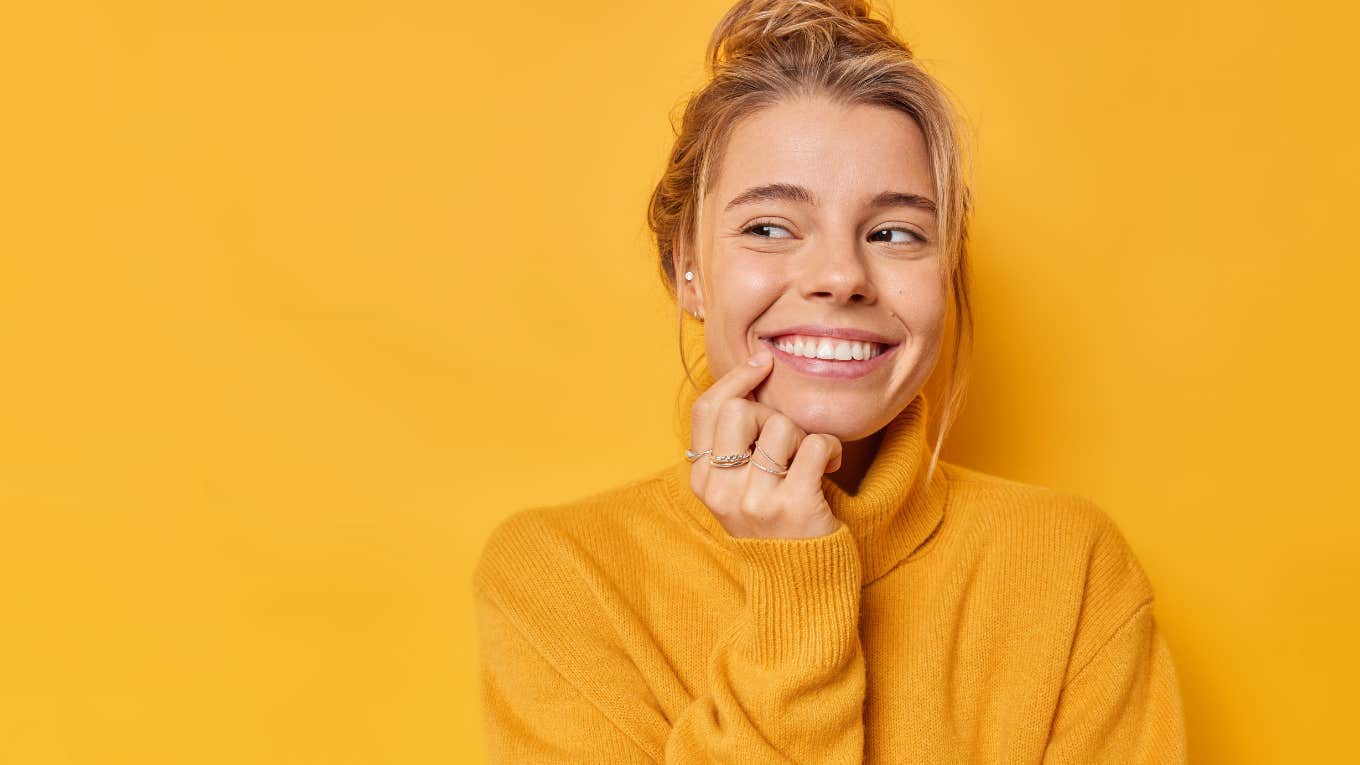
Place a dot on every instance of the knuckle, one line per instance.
(779, 423)
(731, 407)
(785, 430)
(750, 506)
(718, 497)
(701, 408)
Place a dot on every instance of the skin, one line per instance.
(840, 261)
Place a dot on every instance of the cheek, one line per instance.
(742, 290)
(920, 304)
(744, 287)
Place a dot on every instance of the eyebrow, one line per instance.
(903, 199)
(793, 193)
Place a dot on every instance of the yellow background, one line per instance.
(297, 301)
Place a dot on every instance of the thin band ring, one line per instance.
(770, 470)
(785, 468)
(692, 455)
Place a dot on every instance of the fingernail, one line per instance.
(759, 359)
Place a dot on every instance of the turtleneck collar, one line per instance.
(892, 512)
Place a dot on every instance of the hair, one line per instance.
(763, 51)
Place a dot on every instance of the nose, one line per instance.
(837, 272)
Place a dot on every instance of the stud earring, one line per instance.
(689, 276)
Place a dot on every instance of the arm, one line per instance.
(786, 685)
(530, 713)
(1123, 705)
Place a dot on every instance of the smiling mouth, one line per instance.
(827, 348)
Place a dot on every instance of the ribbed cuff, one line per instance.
(803, 597)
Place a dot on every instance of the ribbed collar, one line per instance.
(892, 513)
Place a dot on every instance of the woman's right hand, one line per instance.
(748, 501)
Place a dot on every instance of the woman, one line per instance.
(809, 584)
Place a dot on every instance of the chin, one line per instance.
(817, 413)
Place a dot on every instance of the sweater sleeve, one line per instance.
(530, 713)
(785, 685)
(1123, 705)
(788, 685)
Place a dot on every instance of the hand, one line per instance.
(748, 501)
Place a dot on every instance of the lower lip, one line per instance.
(826, 368)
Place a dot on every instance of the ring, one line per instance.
(692, 455)
(784, 468)
(770, 470)
(729, 460)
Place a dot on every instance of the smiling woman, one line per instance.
(820, 224)
(810, 582)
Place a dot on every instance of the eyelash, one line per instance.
(770, 224)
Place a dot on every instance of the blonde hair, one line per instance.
(763, 51)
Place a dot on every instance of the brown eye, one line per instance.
(767, 230)
(910, 236)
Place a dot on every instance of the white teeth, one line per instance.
(827, 348)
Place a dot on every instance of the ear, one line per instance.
(691, 292)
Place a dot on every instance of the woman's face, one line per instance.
(822, 220)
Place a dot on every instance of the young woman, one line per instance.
(809, 583)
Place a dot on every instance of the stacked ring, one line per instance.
(692, 455)
(737, 460)
(729, 460)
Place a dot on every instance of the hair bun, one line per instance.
(767, 27)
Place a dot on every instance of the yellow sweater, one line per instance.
(971, 620)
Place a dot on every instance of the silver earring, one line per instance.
(689, 276)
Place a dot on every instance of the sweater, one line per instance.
(970, 619)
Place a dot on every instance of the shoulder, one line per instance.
(983, 498)
(558, 579)
(994, 495)
(539, 542)
(1039, 523)
(1060, 553)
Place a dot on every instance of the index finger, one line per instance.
(739, 381)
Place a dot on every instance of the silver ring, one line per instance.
(692, 455)
(770, 470)
(785, 468)
(729, 460)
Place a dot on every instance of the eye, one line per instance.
(909, 236)
(767, 230)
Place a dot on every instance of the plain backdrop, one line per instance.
(299, 300)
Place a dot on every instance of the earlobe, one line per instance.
(687, 282)
(698, 298)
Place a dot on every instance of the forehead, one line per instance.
(842, 153)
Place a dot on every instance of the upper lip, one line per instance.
(843, 333)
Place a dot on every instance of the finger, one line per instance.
(736, 383)
(778, 439)
(817, 455)
(738, 425)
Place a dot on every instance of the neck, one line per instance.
(856, 457)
